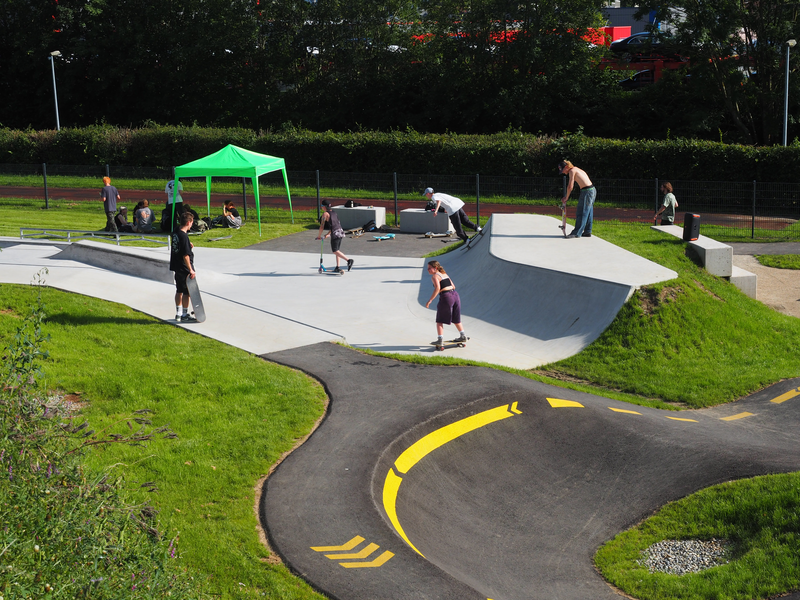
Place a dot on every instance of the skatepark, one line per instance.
(436, 482)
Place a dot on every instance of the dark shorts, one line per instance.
(180, 282)
(449, 308)
(336, 243)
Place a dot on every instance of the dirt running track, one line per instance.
(196, 199)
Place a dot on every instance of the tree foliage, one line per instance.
(475, 66)
(739, 47)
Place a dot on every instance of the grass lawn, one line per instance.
(757, 516)
(89, 216)
(779, 261)
(235, 415)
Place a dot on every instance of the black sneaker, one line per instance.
(349, 263)
(189, 318)
(337, 270)
(586, 235)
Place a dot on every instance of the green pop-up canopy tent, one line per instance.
(233, 161)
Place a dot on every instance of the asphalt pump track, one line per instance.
(441, 482)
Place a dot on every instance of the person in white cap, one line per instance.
(454, 207)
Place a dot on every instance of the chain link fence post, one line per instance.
(318, 204)
(478, 198)
(44, 176)
(394, 177)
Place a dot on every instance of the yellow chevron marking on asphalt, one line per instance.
(622, 410)
(363, 553)
(687, 420)
(424, 446)
(375, 563)
(343, 548)
(787, 396)
(556, 403)
(368, 549)
(737, 417)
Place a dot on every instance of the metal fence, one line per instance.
(745, 209)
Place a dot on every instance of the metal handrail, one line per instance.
(71, 234)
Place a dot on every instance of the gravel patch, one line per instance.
(679, 557)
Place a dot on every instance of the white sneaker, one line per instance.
(480, 229)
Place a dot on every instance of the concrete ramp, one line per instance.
(550, 296)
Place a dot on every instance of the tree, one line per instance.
(740, 46)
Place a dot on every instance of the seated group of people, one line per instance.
(144, 218)
(229, 218)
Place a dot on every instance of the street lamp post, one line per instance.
(789, 45)
(55, 53)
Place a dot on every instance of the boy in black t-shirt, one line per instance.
(181, 261)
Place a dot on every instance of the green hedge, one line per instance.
(507, 153)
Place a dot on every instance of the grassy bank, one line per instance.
(234, 414)
(757, 517)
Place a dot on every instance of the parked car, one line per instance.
(638, 80)
(643, 44)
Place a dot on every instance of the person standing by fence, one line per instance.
(668, 205)
(110, 197)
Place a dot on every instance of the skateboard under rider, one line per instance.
(456, 343)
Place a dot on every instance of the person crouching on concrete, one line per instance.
(448, 310)
(454, 207)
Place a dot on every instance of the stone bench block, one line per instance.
(419, 220)
(358, 216)
(745, 281)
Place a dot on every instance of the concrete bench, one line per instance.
(419, 220)
(745, 281)
(358, 216)
(717, 259)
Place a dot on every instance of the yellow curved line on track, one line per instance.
(424, 446)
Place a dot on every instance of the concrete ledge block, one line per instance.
(745, 281)
(358, 216)
(122, 260)
(419, 220)
(717, 257)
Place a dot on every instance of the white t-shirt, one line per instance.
(451, 204)
(169, 188)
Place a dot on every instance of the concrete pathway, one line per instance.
(529, 296)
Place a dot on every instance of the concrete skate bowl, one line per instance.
(543, 312)
(512, 494)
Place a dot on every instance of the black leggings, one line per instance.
(457, 219)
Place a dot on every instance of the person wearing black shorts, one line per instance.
(181, 261)
(336, 232)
